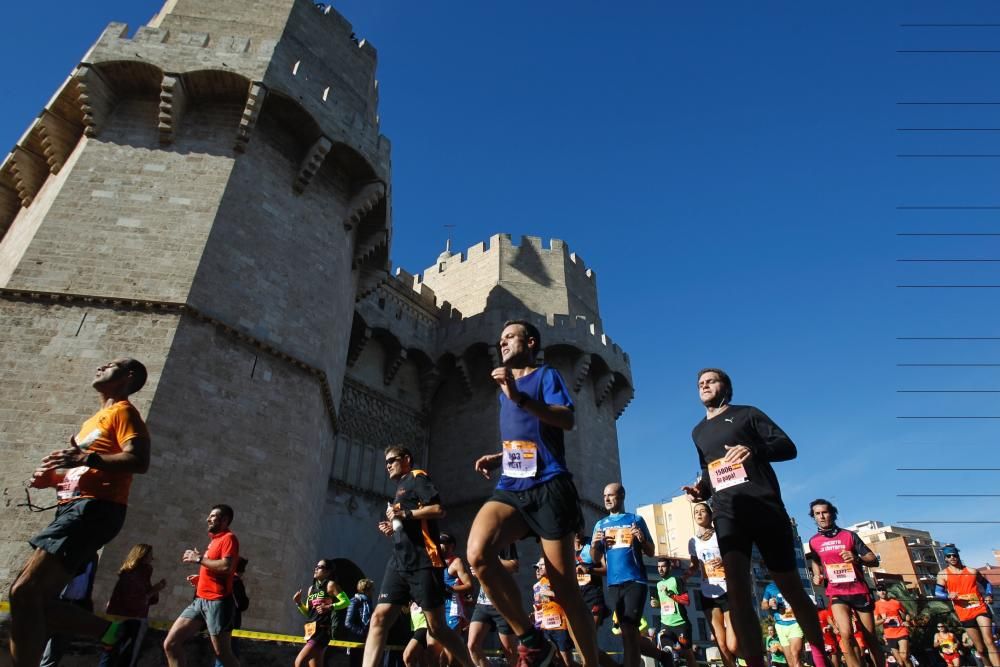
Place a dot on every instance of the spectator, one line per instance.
(359, 613)
(134, 592)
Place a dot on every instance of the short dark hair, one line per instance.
(530, 330)
(664, 559)
(399, 450)
(727, 394)
(446, 538)
(139, 374)
(224, 510)
(823, 501)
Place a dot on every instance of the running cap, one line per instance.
(540, 563)
(950, 550)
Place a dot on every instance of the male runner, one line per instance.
(213, 607)
(892, 616)
(92, 476)
(416, 569)
(457, 583)
(736, 446)
(590, 578)
(786, 629)
(485, 618)
(549, 615)
(961, 585)
(535, 495)
(836, 557)
(673, 603)
(620, 540)
(947, 646)
(830, 643)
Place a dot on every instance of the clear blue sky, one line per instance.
(730, 171)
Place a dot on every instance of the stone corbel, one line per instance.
(173, 100)
(581, 371)
(392, 365)
(603, 386)
(463, 371)
(357, 346)
(311, 163)
(251, 110)
(58, 137)
(30, 171)
(10, 204)
(363, 201)
(622, 398)
(97, 99)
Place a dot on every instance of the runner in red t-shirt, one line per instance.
(213, 606)
(830, 644)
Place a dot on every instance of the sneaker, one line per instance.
(536, 657)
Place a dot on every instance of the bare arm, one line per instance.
(464, 582)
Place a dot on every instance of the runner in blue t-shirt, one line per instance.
(535, 495)
(786, 629)
(620, 540)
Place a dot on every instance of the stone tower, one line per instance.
(212, 197)
(208, 197)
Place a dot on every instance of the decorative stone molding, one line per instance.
(311, 163)
(251, 111)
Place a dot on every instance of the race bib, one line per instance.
(619, 537)
(69, 487)
(551, 618)
(582, 579)
(840, 573)
(520, 458)
(667, 606)
(310, 630)
(723, 475)
(714, 574)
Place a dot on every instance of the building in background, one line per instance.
(212, 195)
(913, 554)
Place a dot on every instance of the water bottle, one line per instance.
(397, 525)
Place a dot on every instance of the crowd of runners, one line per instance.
(583, 580)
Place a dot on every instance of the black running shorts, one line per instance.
(488, 614)
(762, 523)
(425, 586)
(551, 509)
(628, 600)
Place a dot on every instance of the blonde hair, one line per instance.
(135, 556)
(365, 585)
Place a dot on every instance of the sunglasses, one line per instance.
(392, 459)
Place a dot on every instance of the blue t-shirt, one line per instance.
(783, 614)
(624, 556)
(533, 452)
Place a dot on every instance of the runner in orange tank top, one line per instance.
(972, 595)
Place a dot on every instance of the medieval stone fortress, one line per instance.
(213, 196)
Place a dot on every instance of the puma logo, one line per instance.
(728, 419)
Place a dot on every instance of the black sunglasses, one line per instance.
(392, 459)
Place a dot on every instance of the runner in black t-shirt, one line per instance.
(736, 446)
(416, 569)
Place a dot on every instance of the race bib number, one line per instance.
(714, 575)
(619, 537)
(520, 458)
(723, 475)
(840, 573)
(667, 606)
(582, 579)
(551, 618)
(310, 630)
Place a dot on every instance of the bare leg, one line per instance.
(722, 637)
(742, 610)
(793, 652)
(182, 630)
(842, 618)
(413, 654)
(477, 634)
(383, 617)
(868, 630)
(307, 655)
(223, 647)
(495, 526)
(986, 654)
(452, 644)
(630, 645)
(509, 644)
(33, 609)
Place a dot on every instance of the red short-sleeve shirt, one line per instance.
(215, 585)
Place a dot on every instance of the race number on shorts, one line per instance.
(520, 458)
(723, 475)
(840, 573)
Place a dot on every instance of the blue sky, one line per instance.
(730, 172)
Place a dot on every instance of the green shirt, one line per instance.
(670, 610)
(777, 657)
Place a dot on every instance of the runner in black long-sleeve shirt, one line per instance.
(736, 446)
